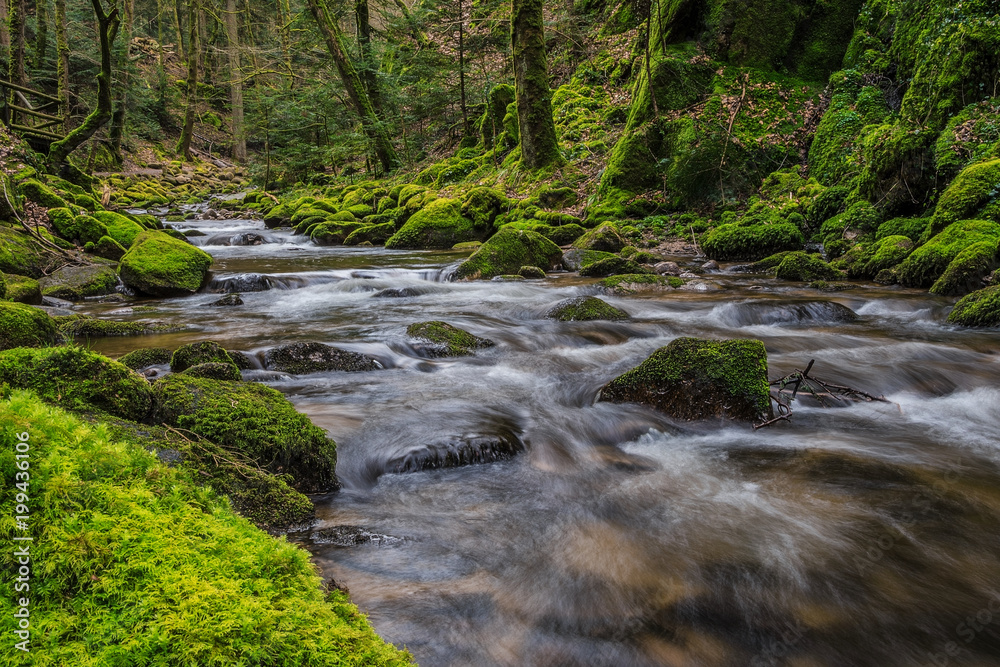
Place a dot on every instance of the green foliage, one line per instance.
(449, 340)
(159, 265)
(585, 309)
(979, 309)
(506, 252)
(127, 537)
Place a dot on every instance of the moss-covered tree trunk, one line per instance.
(117, 129)
(539, 146)
(235, 81)
(62, 63)
(373, 128)
(4, 29)
(107, 30)
(41, 33)
(15, 62)
(187, 132)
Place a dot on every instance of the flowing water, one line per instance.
(864, 535)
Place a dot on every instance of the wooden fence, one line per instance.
(39, 121)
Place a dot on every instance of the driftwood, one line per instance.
(784, 391)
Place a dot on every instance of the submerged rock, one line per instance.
(773, 312)
(693, 379)
(300, 358)
(233, 299)
(585, 309)
(398, 293)
(627, 284)
(244, 282)
(460, 451)
(447, 340)
(350, 536)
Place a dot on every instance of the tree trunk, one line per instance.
(41, 33)
(285, 16)
(235, 81)
(107, 30)
(539, 147)
(467, 134)
(15, 20)
(418, 35)
(4, 30)
(368, 71)
(179, 22)
(187, 133)
(356, 92)
(117, 129)
(62, 63)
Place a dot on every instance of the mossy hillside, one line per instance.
(585, 309)
(968, 137)
(193, 354)
(735, 241)
(22, 325)
(979, 309)
(145, 357)
(126, 537)
(699, 379)
(77, 380)
(448, 340)
(506, 252)
(439, 225)
(74, 283)
(159, 265)
(256, 420)
(22, 289)
(928, 262)
(966, 272)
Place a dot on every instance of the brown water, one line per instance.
(868, 535)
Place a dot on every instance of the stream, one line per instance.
(863, 535)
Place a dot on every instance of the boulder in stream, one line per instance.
(232, 299)
(73, 283)
(693, 379)
(22, 289)
(193, 354)
(979, 309)
(459, 451)
(300, 358)
(145, 357)
(506, 252)
(447, 340)
(160, 265)
(604, 238)
(215, 370)
(585, 309)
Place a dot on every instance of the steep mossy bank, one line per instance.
(131, 556)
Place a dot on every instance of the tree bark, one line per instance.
(539, 146)
(368, 70)
(356, 92)
(235, 81)
(62, 63)
(4, 29)
(41, 33)
(107, 30)
(467, 133)
(187, 133)
(117, 129)
(15, 20)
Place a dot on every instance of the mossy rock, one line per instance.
(447, 340)
(278, 216)
(737, 242)
(215, 370)
(22, 325)
(78, 380)
(802, 267)
(74, 283)
(886, 254)
(122, 229)
(506, 252)
(612, 266)
(23, 289)
(106, 248)
(693, 379)
(146, 357)
(604, 238)
(193, 354)
(638, 283)
(929, 262)
(374, 234)
(483, 205)
(585, 309)
(470, 246)
(911, 228)
(159, 265)
(22, 255)
(576, 259)
(92, 327)
(531, 272)
(439, 225)
(979, 309)
(973, 194)
(408, 192)
(966, 272)
(79, 229)
(41, 194)
(360, 210)
(333, 233)
(301, 358)
(562, 235)
(254, 420)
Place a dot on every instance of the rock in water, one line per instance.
(694, 379)
(585, 309)
(233, 299)
(507, 252)
(302, 358)
(160, 265)
(447, 340)
(193, 354)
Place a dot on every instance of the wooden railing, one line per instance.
(33, 122)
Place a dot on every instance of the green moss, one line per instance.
(80, 228)
(506, 252)
(974, 192)
(562, 235)
(107, 248)
(769, 264)
(77, 379)
(911, 228)
(333, 233)
(22, 289)
(439, 225)
(159, 265)
(471, 246)
(531, 272)
(634, 283)
(800, 266)
(300, 358)
(374, 234)
(215, 370)
(120, 228)
(92, 327)
(699, 379)
(966, 272)
(888, 253)
(78, 282)
(968, 137)
(576, 259)
(448, 340)
(407, 192)
(25, 326)
(483, 205)
(927, 263)
(979, 309)
(193, 354)
(146, 357)
(126, 537)
(256, 420)
(41, 194)
(604, 238)
(585, 309)
(491, 123)
(738, 242)
(611, 266)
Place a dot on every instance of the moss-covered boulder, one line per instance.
(25, 326)
(979, 309)
(22, 289)
(506, 252)
(612, 266)
(531, 272)
(77, 379)
(193, 354)
(973, 194)
(638, 283)
(107, 248)
(439, 225)
(929, 262)
(146, 357)
(604, 238)
(752, 242)
(585, 309)
(23, 255)
(483, 205)
(301, 358)
(120, 228)
(576, 259)
(373, 234)
(966, 272)
(74, 283)
(333, 233)
(79, 229)
(802, 267)
(253, 419)
(215, 370)
(41, 194)
(446, 340)
(159, 265)
(693, 379)
(563, 234)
